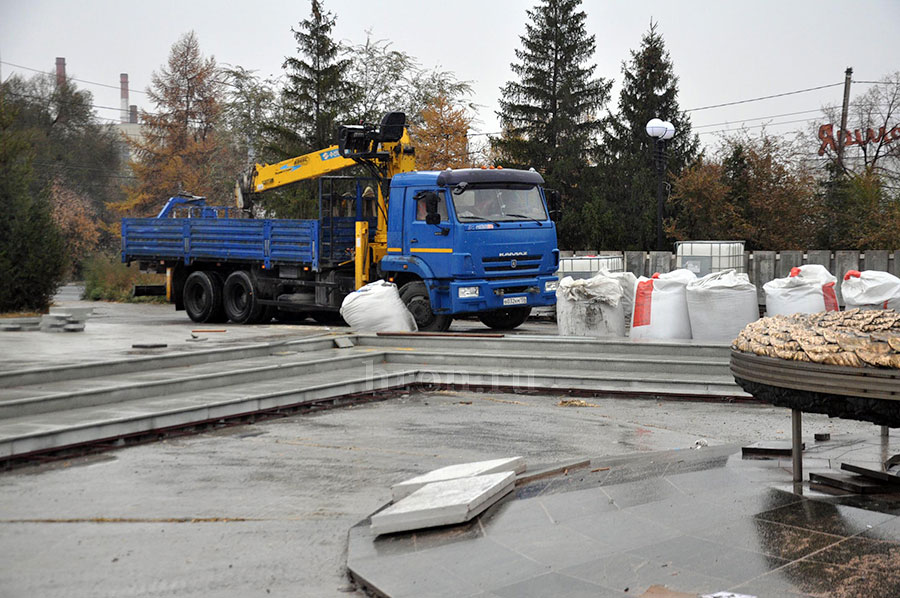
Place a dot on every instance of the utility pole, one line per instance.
(848, 74)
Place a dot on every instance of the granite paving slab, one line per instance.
(694, 522)
(444, 503)
(461, 470)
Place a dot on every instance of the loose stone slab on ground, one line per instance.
(453, 472)
(444, 503)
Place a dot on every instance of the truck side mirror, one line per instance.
(431, 199)
(554, 204)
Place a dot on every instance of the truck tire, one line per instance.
(415, 296)
(203, 297)
(505, 319)
(239, 298)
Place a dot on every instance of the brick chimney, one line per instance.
(123, 95)
(132, 114)
(60, 71)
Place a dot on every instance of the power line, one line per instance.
(105, 172)
(45, 72)
(777, 95)
(785, 122)
(35, 97)
(731, 122)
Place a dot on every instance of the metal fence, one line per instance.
(763, 266)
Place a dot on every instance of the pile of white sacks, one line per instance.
(714, 308)
(675, 305)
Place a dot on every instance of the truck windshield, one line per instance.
(499, 203)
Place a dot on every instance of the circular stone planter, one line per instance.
(866, 394)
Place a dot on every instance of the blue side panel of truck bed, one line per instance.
(222, 239)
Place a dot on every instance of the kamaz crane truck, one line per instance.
(473, 241)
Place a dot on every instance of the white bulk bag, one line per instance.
(628, 281)
(720, 305)
(590, 307)
(808, 290)
(871, 289)
(660, 306)
(377, 307)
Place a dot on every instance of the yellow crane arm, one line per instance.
(263, 177)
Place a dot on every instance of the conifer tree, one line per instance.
(550, 114)
(316, 92)
(184, 146)
(623, 214)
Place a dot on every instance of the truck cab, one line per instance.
(471, 241)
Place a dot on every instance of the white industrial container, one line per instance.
(706, 257)
(587, 266)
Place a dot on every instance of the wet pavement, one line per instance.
(265, 509)
(696, 522)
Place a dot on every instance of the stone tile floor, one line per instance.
(694, 521)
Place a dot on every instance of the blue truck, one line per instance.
(473, 241)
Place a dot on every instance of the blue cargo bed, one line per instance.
(269, 241)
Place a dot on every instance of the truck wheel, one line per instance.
(415, 296)
(239, 298)
(505, 319)
(203, 297)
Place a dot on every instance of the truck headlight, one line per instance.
(467, 292)
(550, 286)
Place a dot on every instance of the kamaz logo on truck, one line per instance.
(513, 253)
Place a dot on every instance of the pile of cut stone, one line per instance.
(65, 319)
(452, 494)
(856, 338)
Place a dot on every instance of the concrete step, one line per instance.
(548, 345)
(142, 363)
(632, 383)
(616, 362)
(53, 430)
(131, 387)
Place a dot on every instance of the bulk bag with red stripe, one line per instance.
(720, 305)
(871, 289)
(808, 290)
(660, 306)
(590, 307)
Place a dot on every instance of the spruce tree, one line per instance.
(550, 114)
(316, 92)
(623, 214)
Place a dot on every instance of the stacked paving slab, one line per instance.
(447, 496)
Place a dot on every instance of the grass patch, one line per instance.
(108, 279)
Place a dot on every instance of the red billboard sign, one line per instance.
(857, 137)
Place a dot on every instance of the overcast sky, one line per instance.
(723, 51)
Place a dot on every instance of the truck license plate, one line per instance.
(515, 301)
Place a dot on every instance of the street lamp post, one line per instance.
(662, 131)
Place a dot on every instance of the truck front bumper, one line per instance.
(500, 294)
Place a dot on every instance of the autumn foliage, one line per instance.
(750, 191)
(183, 147)
(76, 220)
(442, 139)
